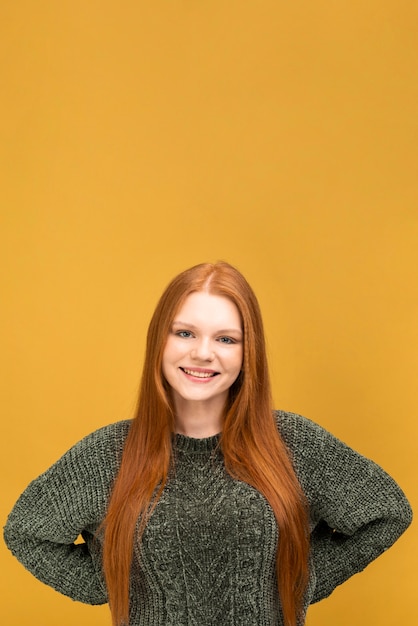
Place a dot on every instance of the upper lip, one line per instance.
(203, 370)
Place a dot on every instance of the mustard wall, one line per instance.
(139, 138)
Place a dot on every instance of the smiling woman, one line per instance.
(208, 507)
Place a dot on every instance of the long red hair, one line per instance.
(252, 447)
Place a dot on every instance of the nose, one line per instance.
(202, 350)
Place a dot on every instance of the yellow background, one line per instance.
(139, 138)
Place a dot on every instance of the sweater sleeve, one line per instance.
(66, 501)
(357, 510)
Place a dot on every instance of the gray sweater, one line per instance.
(208, 553)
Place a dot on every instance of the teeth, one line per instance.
(197, 374)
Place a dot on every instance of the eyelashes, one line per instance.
(187, 334)
(227, 340)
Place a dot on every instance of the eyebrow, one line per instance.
(223, 331)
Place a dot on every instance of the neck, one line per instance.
(198, 420)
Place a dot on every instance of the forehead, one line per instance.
(203, 308)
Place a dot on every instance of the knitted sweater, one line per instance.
(208, 553)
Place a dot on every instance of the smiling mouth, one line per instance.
(199, 374)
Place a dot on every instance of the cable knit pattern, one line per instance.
(208, 552)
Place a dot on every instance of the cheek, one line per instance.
(167, 368)
(236, 363)
(240, 359)
(166, 358)
(171, 354)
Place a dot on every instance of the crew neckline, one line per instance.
(192, 444)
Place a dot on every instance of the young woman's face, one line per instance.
(204, 350)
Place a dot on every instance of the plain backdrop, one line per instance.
(139, 138)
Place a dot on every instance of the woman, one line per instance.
(207, 508)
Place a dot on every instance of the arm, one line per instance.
(357, 509)
(69, 499)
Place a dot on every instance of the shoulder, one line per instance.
(288, 422)
(96, 457)
(313, 448)
(305, 438)
(322, 461)
(300, 433)
(110, 437)
(107, 441)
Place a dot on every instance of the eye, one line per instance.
(227, 340)
(185, 334)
